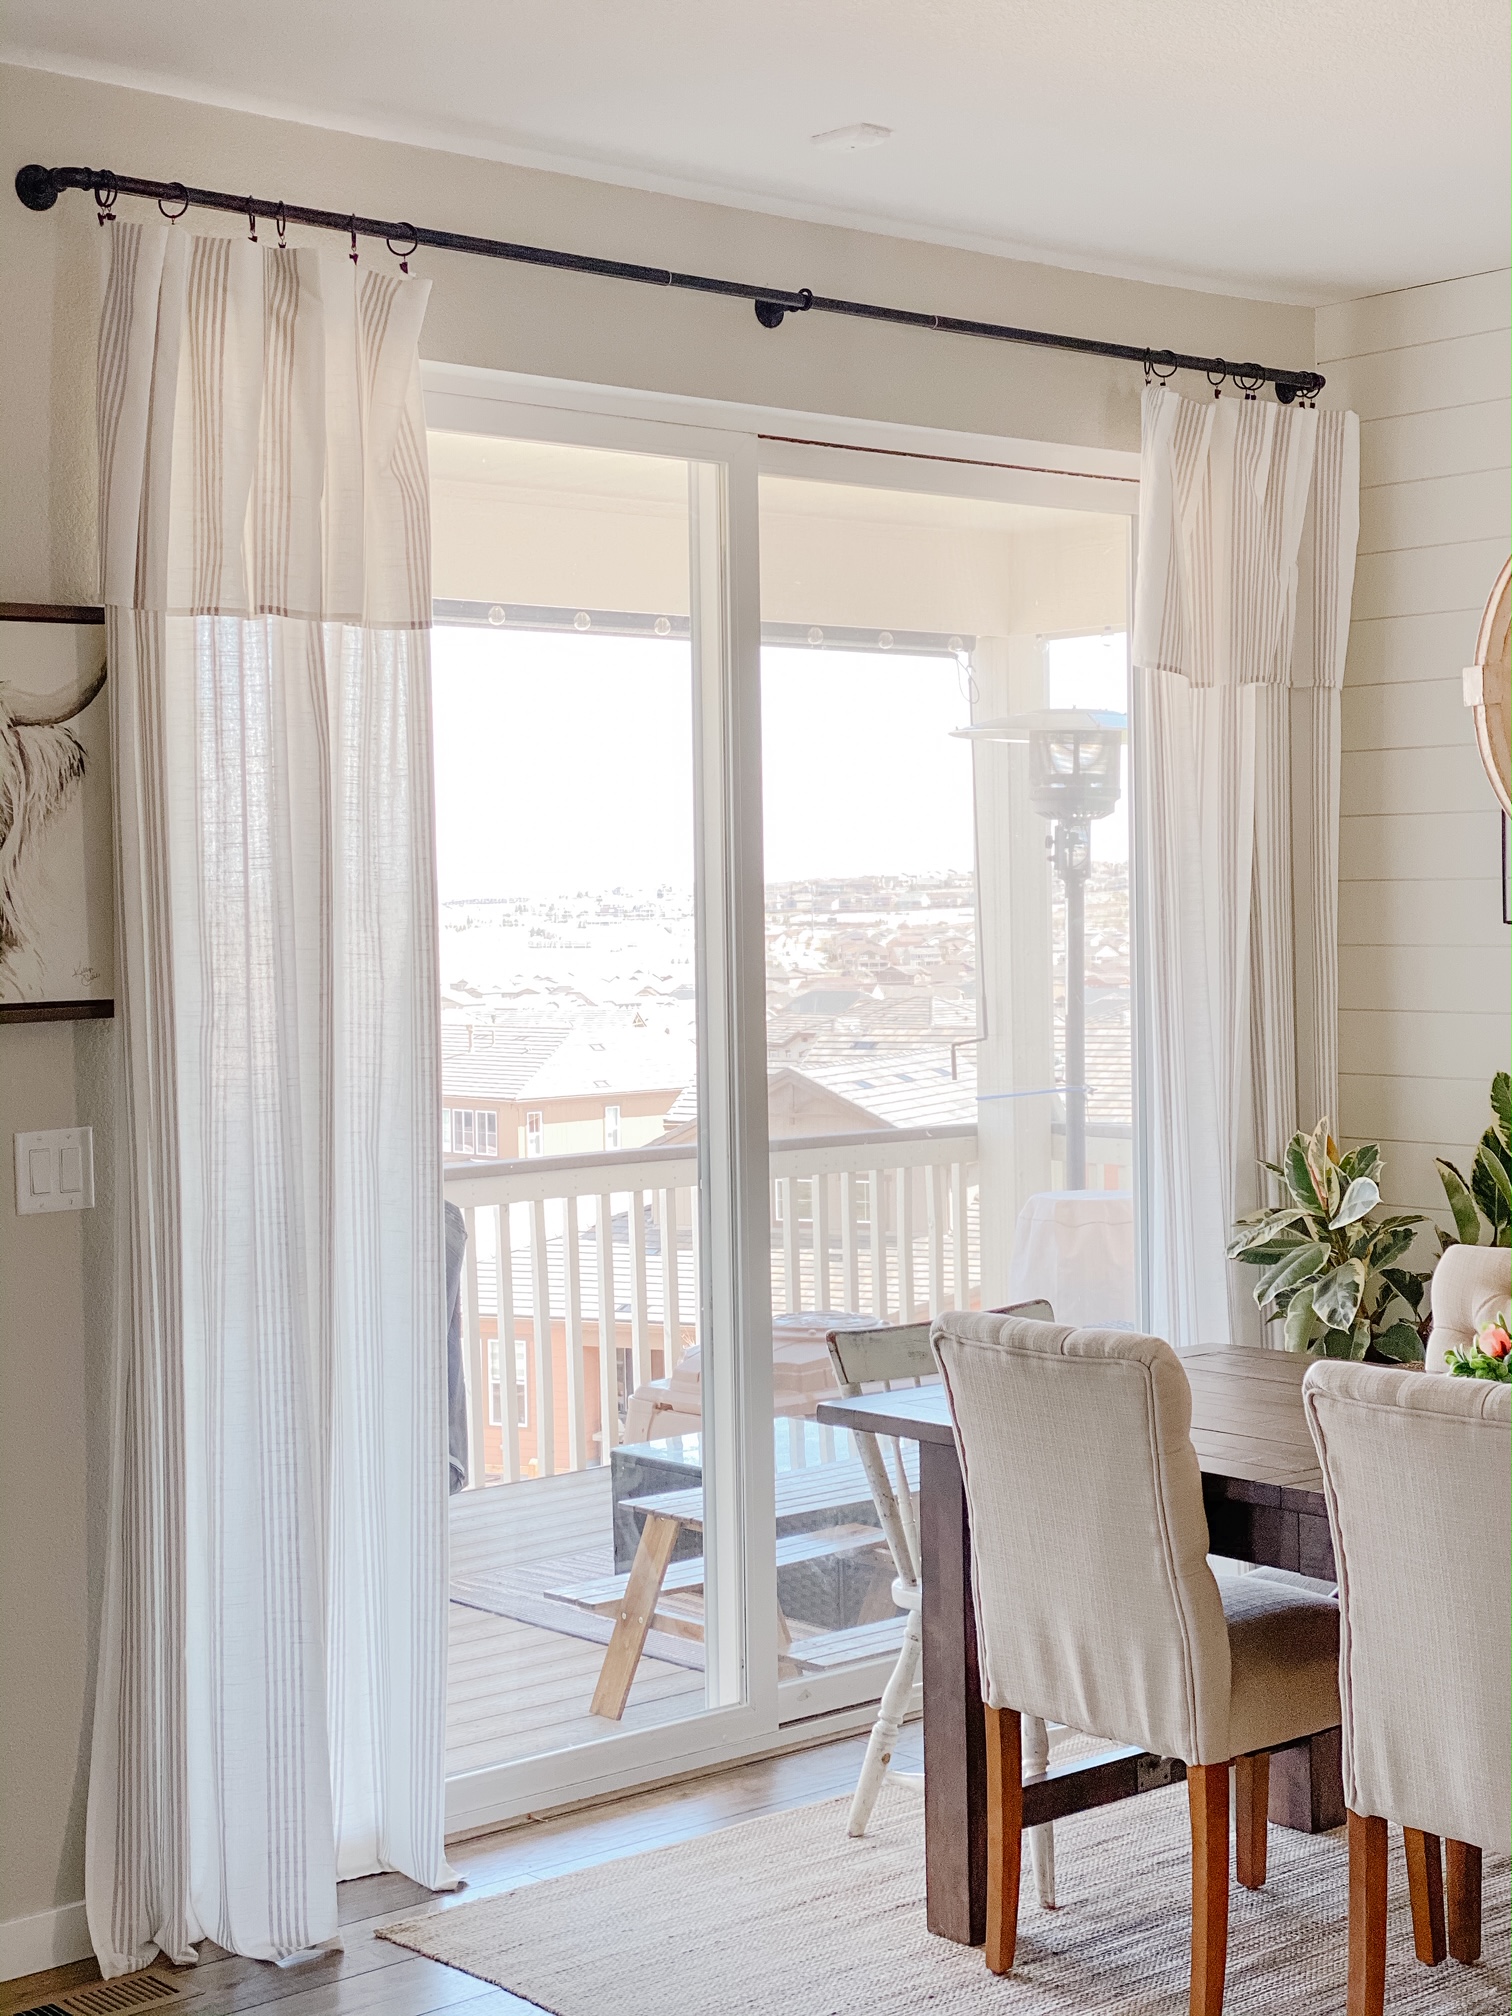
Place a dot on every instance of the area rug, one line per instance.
(787, 1914)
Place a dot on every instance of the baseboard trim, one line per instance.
(46, 1939)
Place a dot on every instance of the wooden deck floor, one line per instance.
(515, 1689)
(365, 1976)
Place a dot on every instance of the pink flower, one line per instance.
(1494, 1341)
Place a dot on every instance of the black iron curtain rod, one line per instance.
(39, 188)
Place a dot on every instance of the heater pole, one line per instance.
(1075, 877)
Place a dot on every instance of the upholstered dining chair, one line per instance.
(899, 1355)
(1471, 1286)
(1416, 1474)
(1096, 1606)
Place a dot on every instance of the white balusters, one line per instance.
(850, 1275)
(960, 1279)
(474, 1357)
(671, 1287)
(934, 1209)
(877, 1209)
(577, 1409)
(870, 1260)
(608, 1341)
(544, 1416)
(907, 1308)
(787, 1215)
(508, 1350)
(820, 1191)
(640, 1329)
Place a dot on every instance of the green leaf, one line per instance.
(1276, 1228)
(1298, 1175)
(1336, 1344)
(1495, 1157)
(1364, 1161)
(1301, 1323)
(1361, 1198)
(1402, 1342)
(1501, 1105)
(1388, 1245)
(1290, 1271)
(1409, 1284)
(1461, 1203)
(1336, 1298)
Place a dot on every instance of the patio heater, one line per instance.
(1073, 779)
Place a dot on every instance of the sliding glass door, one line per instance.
(583, 669)
(949, 1058)
(785, 965)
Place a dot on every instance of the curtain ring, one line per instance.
(402, 252)
(106, 190)
(1249, 380)
(251, 221)
(280, 222)
(1159, 366)
(352, 228)
(183, 202)
(1215, 379)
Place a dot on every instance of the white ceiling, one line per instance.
(1307, 150)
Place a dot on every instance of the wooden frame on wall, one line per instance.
(57, 891)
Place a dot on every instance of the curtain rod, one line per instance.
(39, 189)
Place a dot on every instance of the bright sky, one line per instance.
(860, 775)
(564, 763)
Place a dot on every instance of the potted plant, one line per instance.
(1332, 1272)
(1487, 1197)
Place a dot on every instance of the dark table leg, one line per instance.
(955, 1741)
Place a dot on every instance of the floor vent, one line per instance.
(122, 1997)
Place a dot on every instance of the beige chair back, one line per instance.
(1095, 1603)
(1416, 1473)
(1471, 1286)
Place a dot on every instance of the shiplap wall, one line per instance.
(1423, 953)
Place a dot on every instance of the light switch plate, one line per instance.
(55, 1170)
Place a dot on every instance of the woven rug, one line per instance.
(787, 1914)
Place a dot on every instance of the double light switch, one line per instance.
(55, 1170)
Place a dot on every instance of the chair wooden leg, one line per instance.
(1005, 1831)
(1425, 1888)
(1251, 1805)
(1367, 1914)
(1208, 1798)
(1464, 1870)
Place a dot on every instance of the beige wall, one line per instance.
(55, 1272)
(1423, 953)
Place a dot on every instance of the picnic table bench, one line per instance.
(816, 1493)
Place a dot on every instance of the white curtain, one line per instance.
(271, 1699)
(1249, 519)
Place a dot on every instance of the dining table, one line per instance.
(1263, 1493)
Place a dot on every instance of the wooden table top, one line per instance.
(1247, 1420)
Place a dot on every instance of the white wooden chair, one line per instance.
(889, 1356)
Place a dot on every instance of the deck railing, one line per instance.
(590, 1262)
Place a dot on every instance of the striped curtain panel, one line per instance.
(1249, 518)
(271, 1696)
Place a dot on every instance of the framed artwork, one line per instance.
(57, 892)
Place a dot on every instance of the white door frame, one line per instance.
(727, 447)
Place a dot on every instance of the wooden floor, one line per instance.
(367, 1975)
(515, 1690)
